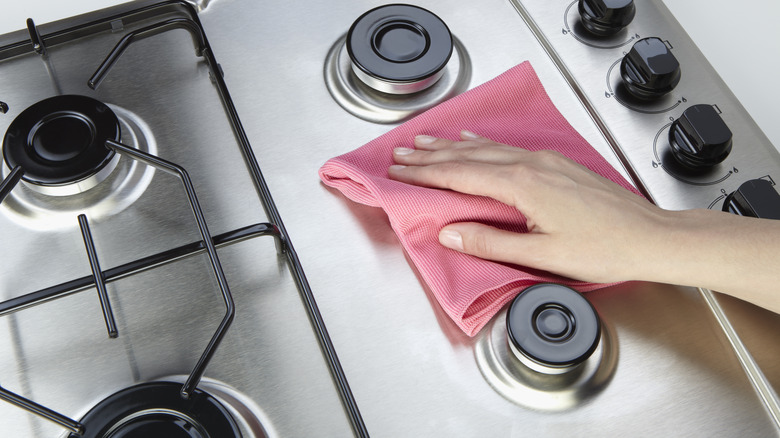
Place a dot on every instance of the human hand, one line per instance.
(580, 224)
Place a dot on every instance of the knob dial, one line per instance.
(700, 138)
(754, 198)
(552, 329)
(606, 17)
(650, 70)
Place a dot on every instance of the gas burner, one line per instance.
(395, 62)
(548, 351)
(32, 209)
(158, 409)
(399, 49)
(59, 144)
(552, 329)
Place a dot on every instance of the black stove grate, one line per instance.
(99, 277)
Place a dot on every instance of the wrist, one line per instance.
(671, 246)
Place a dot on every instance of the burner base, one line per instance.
(157, 409)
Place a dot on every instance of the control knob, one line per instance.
(754, 198)
(700, 138)
(650, 70)
(606, 17)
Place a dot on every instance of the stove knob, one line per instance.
(754, 198)
(650, 70)
(606, 17)
(700, 137)
(552, 329)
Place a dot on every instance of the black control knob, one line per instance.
(700, 138)
(754, 198)
(606, 17)
(552, 329)
(650, 70)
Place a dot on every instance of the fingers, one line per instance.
(431, 150)
(494, 244)
(466, 177)
(475, 165)
(427, 142)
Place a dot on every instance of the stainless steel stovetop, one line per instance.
(679, 361)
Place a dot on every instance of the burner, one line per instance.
(158, 410)
(31, 207)
(399, 49)
(552, 329)
(59, 143)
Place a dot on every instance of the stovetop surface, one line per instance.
(382, 322)
(58, 353)
(413, 373)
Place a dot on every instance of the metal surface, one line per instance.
(412, 371)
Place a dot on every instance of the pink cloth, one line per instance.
(514, 109)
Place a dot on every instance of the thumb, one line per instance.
(491, 243)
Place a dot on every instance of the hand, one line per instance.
(588, 228)
(580, 224)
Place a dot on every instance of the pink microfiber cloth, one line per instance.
(514, 109)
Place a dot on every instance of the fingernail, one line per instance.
(402, 151)
(396, 167)
(469, 134)
(451, 239)
(424, 139)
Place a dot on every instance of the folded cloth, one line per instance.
(514, 109)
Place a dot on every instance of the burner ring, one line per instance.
(157, 409)
(60, 140)
(162, 422)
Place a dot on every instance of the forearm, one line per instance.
(718, 251)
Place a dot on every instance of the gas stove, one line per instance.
(202, 266)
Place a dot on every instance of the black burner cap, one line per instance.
(553, 325)
(61, 140)
(399, 43)
(157, 409)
